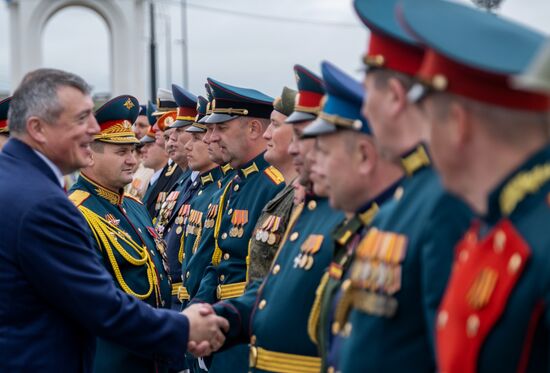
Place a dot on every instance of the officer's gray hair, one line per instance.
(37, 96)
(511, 126)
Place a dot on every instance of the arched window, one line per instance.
(77, 39)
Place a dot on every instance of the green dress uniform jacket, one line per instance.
(494, 316)
(399, 275)
(132, 252)
(241, 203)
(192, 218)
(274, 316)
(326, 324)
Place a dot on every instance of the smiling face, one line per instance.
(113, 165)
(153, 156)
(67, 141)
(299, 149)
(176, 145)
(340, 164)
(278, 136)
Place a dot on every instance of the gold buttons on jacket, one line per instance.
(262, 304)
(335, 327)
(442, 318)
(398, 193)
(222, 277)
(276, 269)
(226, 256)
(224, 235)
(229, 212)
(236, 188)
(347, 329)
(294, 236)
(311, 205)
(187, 274)
(463, 256)
(472, 326)
(499, 241)
(514, 263)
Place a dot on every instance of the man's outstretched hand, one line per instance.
(205, 329)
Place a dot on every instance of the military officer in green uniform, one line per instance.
(273, 221)
(360, 182)
(489, 141)
(121, 228)
(200, 243)
(4, 130)
(192, 217)
(262, 316)
(166, 112)
(239, 119)
(402, 264)
(181, 191)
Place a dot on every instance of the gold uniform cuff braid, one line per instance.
(108, 236)
(176, 286)
(281, 362)
(183, 294)
(227, 291)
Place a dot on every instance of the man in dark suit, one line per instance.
(55, 296)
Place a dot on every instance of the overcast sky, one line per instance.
(242, 42)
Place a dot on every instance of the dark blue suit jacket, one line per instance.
(55, 296)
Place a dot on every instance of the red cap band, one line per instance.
(4, 123)
(385, 51)
(479, 85)
(308, 99)
(184, 113)
(165, 120)
(123, 124)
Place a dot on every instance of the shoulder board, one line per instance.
(133, 198)
(78, 196)
(275, 175)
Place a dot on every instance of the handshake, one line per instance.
(205, 329)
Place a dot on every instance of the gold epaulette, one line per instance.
(78, 196)
(275, 175)
(133, 198)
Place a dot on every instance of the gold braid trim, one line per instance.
(343, 307)
(313, 321)
(217, 256)
(248, 261)
(524, 183)
(107, 236)
(181, 251)
(197, 240)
